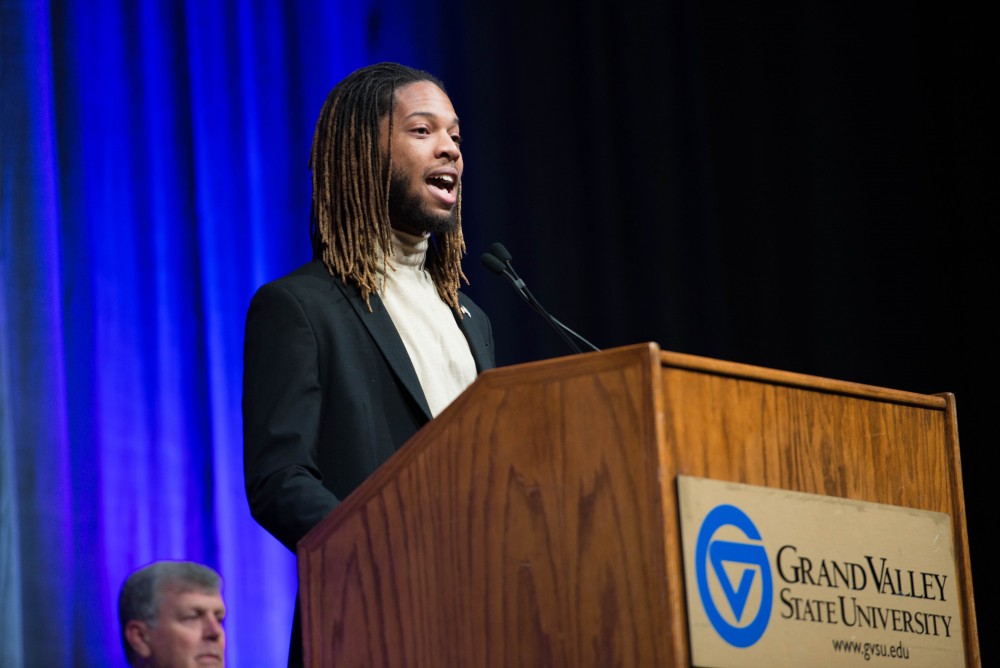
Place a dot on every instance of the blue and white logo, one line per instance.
(724, 562)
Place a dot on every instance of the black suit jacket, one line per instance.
(329, 394)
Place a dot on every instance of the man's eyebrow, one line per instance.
(430, 114)
(203, 609)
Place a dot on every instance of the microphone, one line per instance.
(498, 260)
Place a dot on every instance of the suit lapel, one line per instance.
(379, 324)
(383, 331)
(479, 354)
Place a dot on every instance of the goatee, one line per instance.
(407, 211)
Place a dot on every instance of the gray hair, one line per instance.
(142, 591)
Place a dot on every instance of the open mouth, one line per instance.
(444, 182)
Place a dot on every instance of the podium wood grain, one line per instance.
(534, 522)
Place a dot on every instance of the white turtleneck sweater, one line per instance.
(438, 350)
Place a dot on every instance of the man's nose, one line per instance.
(447, 147)
(212, 629)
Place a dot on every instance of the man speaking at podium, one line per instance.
(349, 355)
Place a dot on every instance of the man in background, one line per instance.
(171, 615)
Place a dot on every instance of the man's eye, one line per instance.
(457, 139)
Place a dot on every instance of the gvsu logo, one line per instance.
(734, 580)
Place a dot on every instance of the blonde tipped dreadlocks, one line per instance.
(350, 178)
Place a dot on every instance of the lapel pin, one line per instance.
(466, 311)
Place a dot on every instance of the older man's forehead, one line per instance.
(201, 599)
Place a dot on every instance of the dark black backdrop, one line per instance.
(800, 187)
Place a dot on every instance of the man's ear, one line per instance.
(137, 633)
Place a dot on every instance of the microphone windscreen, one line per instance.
(492, 263)
(500, 251)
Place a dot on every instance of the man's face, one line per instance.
(426, 160)
(188, 632)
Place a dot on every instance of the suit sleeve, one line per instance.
(282, 400)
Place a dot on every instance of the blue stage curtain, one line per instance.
(154, 174)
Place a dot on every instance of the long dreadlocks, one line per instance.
(349, 224)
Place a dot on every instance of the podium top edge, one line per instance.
(669, 359)
(653, 353)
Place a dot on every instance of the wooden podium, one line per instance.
(535, 521)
